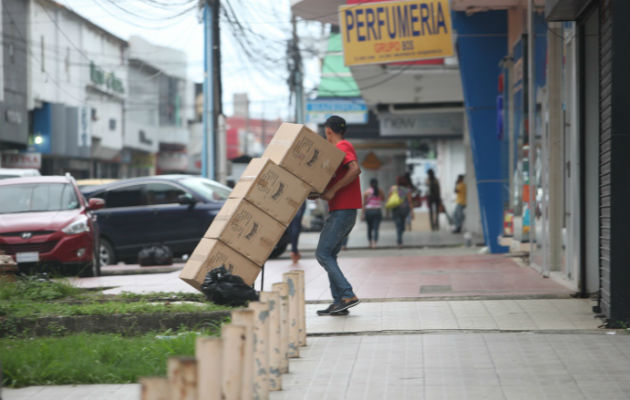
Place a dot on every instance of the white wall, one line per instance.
(106, 111)
(141, 109)
(450, 163)
(62, 47)
(170, 60)
(393, 164)
(57, 67)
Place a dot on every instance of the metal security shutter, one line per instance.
(605, 146)
(614, 165)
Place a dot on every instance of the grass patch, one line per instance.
(92, 358)
(37, 289)
(30, 309)
(32, 297)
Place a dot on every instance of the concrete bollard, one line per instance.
(282, 288)
(261, 352)
(208, 352)
(154, 389)
(275, 376)
(182, 378)
(291, 278)
(301, 307)
(233, 337)
(245, 317)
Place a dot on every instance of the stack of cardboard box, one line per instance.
(263, 203)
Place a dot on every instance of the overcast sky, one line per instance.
(266, 86)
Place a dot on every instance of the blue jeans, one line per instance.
(336, 228)
(459, 217)
(399, 214)
(373, 218)
(295, 227)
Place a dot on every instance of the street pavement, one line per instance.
(434, 323)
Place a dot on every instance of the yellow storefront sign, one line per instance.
(395, 31)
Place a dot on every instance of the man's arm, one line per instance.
(353, 172)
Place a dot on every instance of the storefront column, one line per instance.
(556, 148)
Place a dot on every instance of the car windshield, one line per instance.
(209, 189)
(34, 197)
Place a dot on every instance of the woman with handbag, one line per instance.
(373, 200)
(399, 201)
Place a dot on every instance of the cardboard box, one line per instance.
(247, 229)
(272, 189)
(210, 254)
(305, 154)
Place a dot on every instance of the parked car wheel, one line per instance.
(106, 253)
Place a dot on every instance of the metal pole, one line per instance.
(299, 89)
(207, 152)
(556, 148)
(531, 111)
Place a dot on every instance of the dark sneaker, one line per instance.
(328, 311)
(343, 305)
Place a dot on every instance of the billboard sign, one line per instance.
(21, 160)
(379, 33)
(354, 111)
(422, 124)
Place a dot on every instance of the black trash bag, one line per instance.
(221, 287)
(155, 254)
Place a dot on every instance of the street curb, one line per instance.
(621, 332)
(459, 298)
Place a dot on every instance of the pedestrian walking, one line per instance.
(372, 213)
(434, 200)
(295, 228)
(344, 199)
(460, 203)
(413, 190)
(404, 209)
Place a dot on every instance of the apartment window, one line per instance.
(42, 54)
(112, 124)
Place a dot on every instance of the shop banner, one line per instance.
(396, 31)
(424, 124)
(21, 160)
(354, 111)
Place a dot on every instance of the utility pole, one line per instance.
(207, 152)
(296, 73)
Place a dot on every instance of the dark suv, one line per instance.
(173, 210)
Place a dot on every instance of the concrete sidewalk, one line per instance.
(408, 273)
(476, 349)
(433, 324)
(387, 238)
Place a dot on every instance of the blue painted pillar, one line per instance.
(481, 44)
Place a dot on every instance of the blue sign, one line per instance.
(354, 111)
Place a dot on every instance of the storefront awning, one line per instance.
(565, 10)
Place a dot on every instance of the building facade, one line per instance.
(77, 88)
(563, 84)
(13, 85)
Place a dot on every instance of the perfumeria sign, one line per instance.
(396, 31)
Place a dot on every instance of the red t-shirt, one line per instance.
(349, 196)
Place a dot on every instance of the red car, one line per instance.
(47, 225)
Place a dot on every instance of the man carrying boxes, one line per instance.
(344, 198)
(263, 203)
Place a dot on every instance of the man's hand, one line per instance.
(328, 195)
